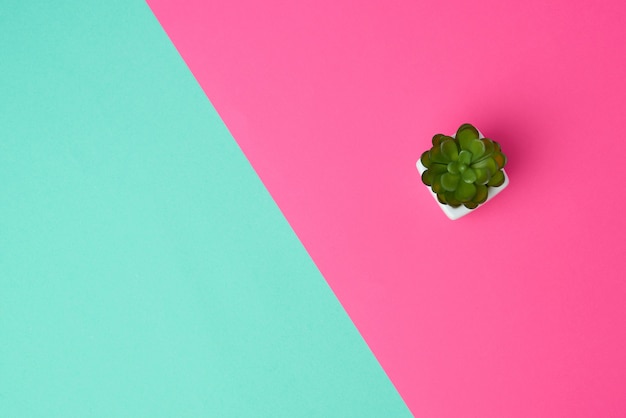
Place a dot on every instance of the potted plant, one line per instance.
(463, 171)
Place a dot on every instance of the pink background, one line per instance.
(518, 309)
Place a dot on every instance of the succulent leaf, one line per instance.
(465, 192)
(490, 147)
(496, 180)
(437, 168)
(477, 148)
(465, 157)
(437, 156)
(436, 186)
(438, 138)
(482, 176)
(427, 177)
(450, 150)
(450, 181)
(425, 159)
(500, 159)
(468, 176)
(465, 134)
(453, 167)
(481, 194)
(451, 200)
(487, 163)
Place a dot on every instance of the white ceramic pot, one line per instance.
(456, 213)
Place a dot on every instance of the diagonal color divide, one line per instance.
(516, 310)
(144, 269)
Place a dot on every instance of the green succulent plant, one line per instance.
(461, 169)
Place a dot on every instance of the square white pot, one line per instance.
(456, 213)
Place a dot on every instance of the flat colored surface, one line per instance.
(144, 269)
(516, 310)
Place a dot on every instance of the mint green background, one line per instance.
(144, 269)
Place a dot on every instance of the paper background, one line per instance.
(514, 311)
(144, 269)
